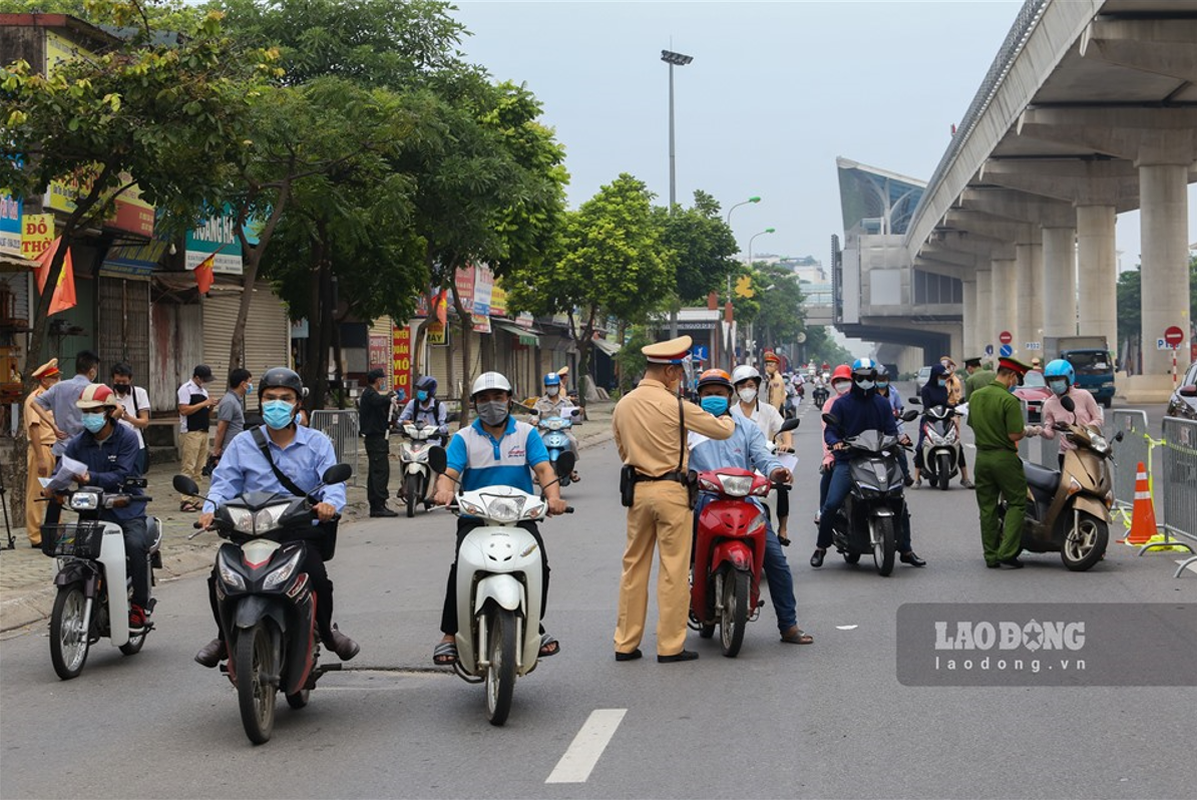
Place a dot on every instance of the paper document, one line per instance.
(68, 469)
(788, 460)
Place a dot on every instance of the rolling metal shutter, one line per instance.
(123, 332)
(220, 317)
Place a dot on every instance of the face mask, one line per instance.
(249, 388)
(277, 414)
(747, 394)
(841, 386)
(121, 388)
(552, 391)
(422, 395)
(493, 413)
(94, 423)
(1058, 387)
(946, 365)
(941, 383)
(882, 385)
(864, 386)
(713, 404)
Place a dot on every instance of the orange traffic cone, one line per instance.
(1143, 525)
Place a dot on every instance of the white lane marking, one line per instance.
(588, 746)
(846, 627)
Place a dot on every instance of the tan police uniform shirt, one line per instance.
(646, 428)
(776, 394)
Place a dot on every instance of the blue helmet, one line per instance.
(1059, 368)
(864, 368)
(552, 379)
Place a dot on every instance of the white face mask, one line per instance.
(841, 387)
(747, 394)
(552, 391)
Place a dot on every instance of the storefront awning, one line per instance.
(608, 347)
(11, 262)
(525, 335)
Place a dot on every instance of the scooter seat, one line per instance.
(1040, 477)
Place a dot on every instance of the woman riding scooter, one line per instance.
(935, 393)
(1061, 377)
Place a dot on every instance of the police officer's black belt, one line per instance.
(680, 477)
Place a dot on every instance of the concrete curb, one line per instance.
(23, 607)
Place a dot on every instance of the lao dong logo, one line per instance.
(1007, 635)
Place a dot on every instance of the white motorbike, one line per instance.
(413, 461)
(499, 585)
(94, 585)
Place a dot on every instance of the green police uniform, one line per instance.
(993, 414)
(978, 380)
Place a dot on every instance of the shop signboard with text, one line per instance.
(400, 360)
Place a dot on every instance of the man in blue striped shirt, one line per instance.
(497, 450)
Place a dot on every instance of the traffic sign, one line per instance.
(1174, 336)
(988, 349)
(700, 353)
(1006, 351)
(1005, 337)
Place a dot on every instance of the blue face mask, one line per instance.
(1058, 387)
(277, 414)
(941, 383)
(882, 385)
(713, 404)
(94, 423)
(423, 395)
(249, 388)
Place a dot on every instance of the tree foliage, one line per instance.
(1130, 322)
(703, 247)
(780, 317)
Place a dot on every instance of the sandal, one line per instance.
(796, 635)
(548, 646)
(190, 506)
(445, 654)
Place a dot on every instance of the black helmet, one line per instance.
(282, 378)
(882, 372)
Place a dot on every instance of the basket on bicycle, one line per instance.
(82, 539)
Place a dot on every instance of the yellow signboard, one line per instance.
(37, 234)
(436, 333)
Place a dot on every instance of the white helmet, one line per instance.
(488, 381)
(745, 372)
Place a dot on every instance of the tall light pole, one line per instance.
(673, 60)
(728, 312)
(751, 347)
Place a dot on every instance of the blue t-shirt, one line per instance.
(483, 461)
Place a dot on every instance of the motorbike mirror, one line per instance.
(1067, 403)
(438, 460)
(914, 401)
(907, 416)
(831, 419)
(789, 425)
(1118, 436)
(576, 412)
(565, 463)
(337, 473)
(185, 485)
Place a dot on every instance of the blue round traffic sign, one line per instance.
(988, 349)
(1006, 351)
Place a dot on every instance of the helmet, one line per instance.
(428, 384)
(882, 373)
(744, 372)
(281, 378)
(714, 377)
(864, 368)
(552, 379)
(488, 381)
(1060, 368)
(97, 395)
(842, 373)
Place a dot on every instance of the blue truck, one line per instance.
(1090, 357)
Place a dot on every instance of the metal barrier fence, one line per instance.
(342, 428)
(1179, 480)
(1135, 447)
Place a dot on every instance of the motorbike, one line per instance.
(95, 588)
(820, 395)
(413, 463)
(1068, 510)
(867, 521)
(499, 585)
(941, 445)
(265, 604)
(556, 441)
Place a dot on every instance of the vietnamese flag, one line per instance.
(204, 277)
(442, 307)
(64, 289)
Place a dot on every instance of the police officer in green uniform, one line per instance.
(995, 415)
(978, 376)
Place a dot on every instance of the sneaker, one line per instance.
(137, 617)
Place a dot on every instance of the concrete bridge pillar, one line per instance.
(1097, 274)
(983, 332)
(1164, 220)
(969, 322)
(1003, 315)
(1028, 311)
(1059, 283)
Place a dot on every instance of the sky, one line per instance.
(776, 91)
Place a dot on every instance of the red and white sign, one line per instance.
(1174, 336)
(401, 360)
(1005, 337)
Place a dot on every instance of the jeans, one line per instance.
(838, 488)
(464, 526)
(137, 548)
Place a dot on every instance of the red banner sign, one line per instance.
(401, 358)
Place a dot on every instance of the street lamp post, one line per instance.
(751, 345)
(729, 314)
(673, 60)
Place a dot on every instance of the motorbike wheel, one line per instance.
(883, 550)
(500, 675)
(255, 663)
(413, 494)
(1084, 546)
(943, 471)
(706, 631)
(68, 640)
(735, 612)
(852, 558)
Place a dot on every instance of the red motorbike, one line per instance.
(729, 550)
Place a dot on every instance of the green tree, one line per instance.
(780, 318)
(703, 245)
(610, 260)
(1129, 309)
(98, 123)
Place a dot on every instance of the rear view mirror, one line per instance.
(185, 485)
(566, 462)
(831, 419)
(438, 460)
(909, 415)
(1067, 403)
(789, 425)
(914, 401)
(337, 473)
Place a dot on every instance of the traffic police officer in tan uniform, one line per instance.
(652, 443)
(775, 385)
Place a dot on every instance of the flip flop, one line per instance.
(797, 636)
(445, 654)
(548, 646)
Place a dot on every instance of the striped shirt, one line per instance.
(482, 461)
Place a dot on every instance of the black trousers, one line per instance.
(464, 526)
(313, 565)
(378, 455)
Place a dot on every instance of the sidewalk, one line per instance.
(26, 576)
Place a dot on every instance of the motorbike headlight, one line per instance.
(935, 438)
(228, 575)
(85, 501)
(504, 509)
(242, 519)
(553, 424)
(282, 573)
(1099, 445)
(736, 485)
(268, 518)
